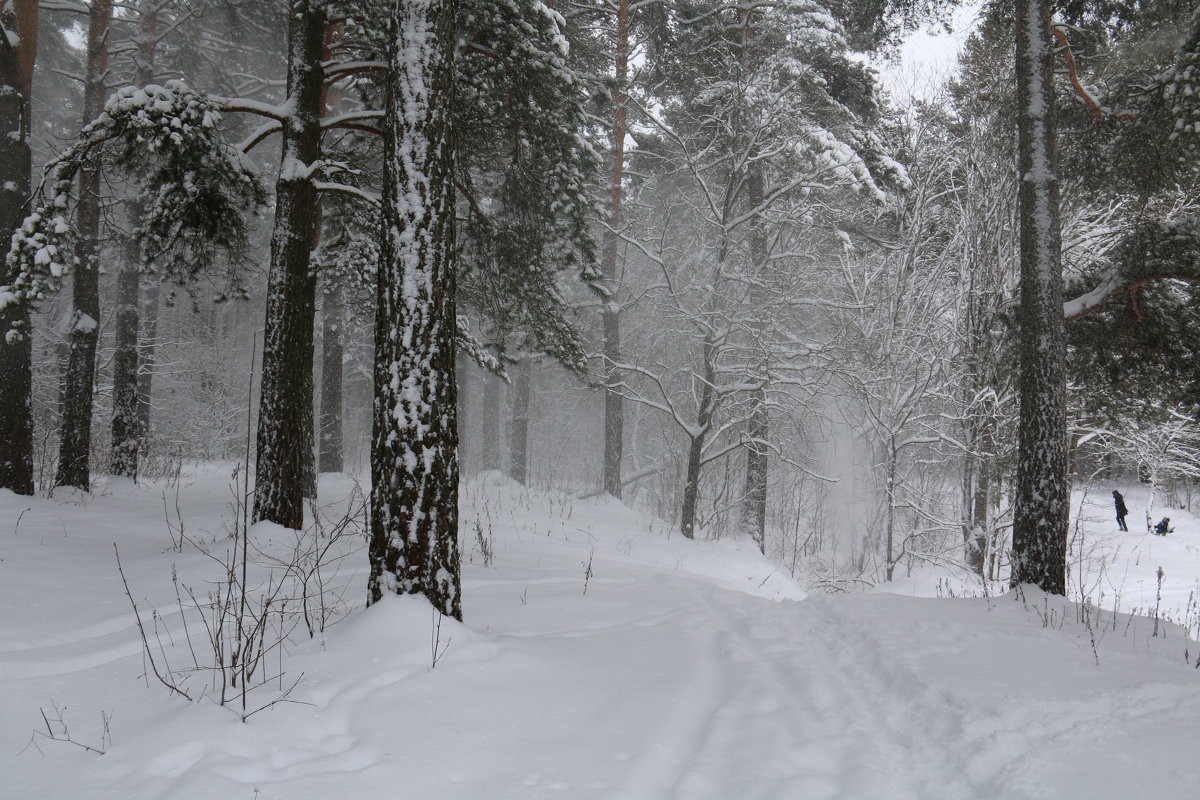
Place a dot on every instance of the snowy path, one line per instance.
(670, 670)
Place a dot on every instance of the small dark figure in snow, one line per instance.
(1163, 527)
(1122, 511)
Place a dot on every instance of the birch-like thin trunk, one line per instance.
(614, 409)
(147, 344)
(1040, 518)
(287, 350)
(16, 351)
(414, 453)
(75, 443)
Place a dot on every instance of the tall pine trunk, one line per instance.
(1040, 517)
(16, 344)
(758, 429)
(280, 471)
(414, 454)
(614, 411)
(518, 453)
(332, 353)
(76, 441)
(127, 432)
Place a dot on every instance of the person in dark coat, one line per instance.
(1163, 527)
(1122, 511)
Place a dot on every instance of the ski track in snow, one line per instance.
(783, 694)
(660, 682)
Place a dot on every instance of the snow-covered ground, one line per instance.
(602, 657)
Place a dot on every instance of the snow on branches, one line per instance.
(168, 138)
(1184, 89)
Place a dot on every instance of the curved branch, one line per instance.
(256, 138)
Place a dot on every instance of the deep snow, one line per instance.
(602, 657)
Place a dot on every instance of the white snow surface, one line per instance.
(686, 670)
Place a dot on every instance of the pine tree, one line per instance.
(1041, 507)
(414, 455)
(128, 430)
(284, 441)
(18, 51)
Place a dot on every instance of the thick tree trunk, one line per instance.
(1040, 517)
(16, 345)
(614, 411)
(518, 453)
(332, 353)
(75, 444)
(414, 456)
(758, 428)
(281, 462)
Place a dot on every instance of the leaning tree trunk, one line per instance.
(414, 456)
(76, 441)
(614, 409)
(280, 469)
(1040, 518)
(16, 350)
(518, 454)
(332, 353)
(127, 433)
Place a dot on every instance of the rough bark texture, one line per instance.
(75, 444)
(280, 469)
(332, 352)
(1040, 518)
(16, 352)
(414, 456)
(758, 428)
(518, 453)
(127, 431)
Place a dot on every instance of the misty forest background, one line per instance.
(698, 258)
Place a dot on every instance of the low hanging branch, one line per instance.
(198, 191)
